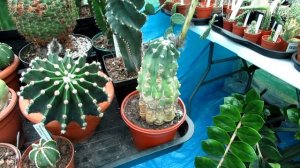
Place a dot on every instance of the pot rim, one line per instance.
(11, 68)
(150, 131)
(15, 149)
(264, 38)
(101, 49)
(11, 105)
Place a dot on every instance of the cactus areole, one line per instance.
(64, 89)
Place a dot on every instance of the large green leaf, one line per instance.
(293, 115)
(213, 147)
(270, 152)
(224, 122)
(231, 112)
(204, 162)
(267, 141)
(275, 165)
(248, 135)
(238, 96)
(177, 18)
(218, 134)
(253, 120)
(252, 95)
(233, 101)
(231, 161)
(244, 151)
(255, 107)
(267, 133)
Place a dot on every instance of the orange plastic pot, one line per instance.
(227, 25)
(264, 32)
(238, 30)
(15, 150)
(203, 12)
(10, 121)
(10, 75)
(73, 129)
(147, 138)
(270, 45)
(254, 38)
(183, 8)
(284, 45)
(71, 163)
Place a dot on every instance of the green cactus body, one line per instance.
(157, 82)
(126, 20)
(45, 154)
(265, 24)
(41, 21)
(98, 7)
(4, 95)
(6, 55)
(291, 31)
(64, 89)
(6, 22)
(251, 27)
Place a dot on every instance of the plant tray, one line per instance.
(218, 27)
(112, 146)
(196, 21)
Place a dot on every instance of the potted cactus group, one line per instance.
(268, 43)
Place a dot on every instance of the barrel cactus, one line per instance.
(64, 89)
(4, 95)
(45, 154)
(158, 83)
(41, 21)
(6, 55)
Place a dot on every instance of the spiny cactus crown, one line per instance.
(126, 20)
(45, 154)
(157, 78)
(6, 55)
(64, 89)
(41, 21)
(251, 27)
(291, 30)
(4, 95)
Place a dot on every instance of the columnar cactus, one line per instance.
(157, 82)
(251, 27)
(6, 55)
(6, 22)
(45, 154)
(41, 21)
(64, 89)
(4, 95)
(98, 7)
(126, 19)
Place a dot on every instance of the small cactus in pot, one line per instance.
(4, 95)
(6, 55)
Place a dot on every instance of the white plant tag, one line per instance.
(274, 5)
(277, 33)
(228, 3)
(41, 130)
(273, 27)
(246, 19)
(259, 20)
(207, 3)
(292, 47)
(236, 9)
(117, 48)
(233, 4)
(181, 2)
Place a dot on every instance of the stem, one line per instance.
(229, 145)
(259, 152)
(187, 22)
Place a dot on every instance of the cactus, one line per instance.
(6, 22)
(294, 11)
(6, 55)
(291, 30)
(251, 28)
(4, 95)
(45, 154)
(266, 22)
(158, 83)
(64, 89)
(126, 19)
(41, 21)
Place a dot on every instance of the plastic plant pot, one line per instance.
(203, 12)
(15, 150)
(227, 25)
(254, 38)
(10, 75)
(269, 44)
(238, 30)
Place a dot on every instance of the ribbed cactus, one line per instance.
(6, 55)
(41, 20)
(291, 30)
(4, 95)
(251, 28)
(157, 82)
(45, 154)
(98, 7)
(6, 22)
(126, 19)
(265, 24)
(64, 89)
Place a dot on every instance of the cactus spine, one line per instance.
(41, 21)
(6, 22)
(126, 20)
(4, 95)
(6, 55)
(158, 83)
(45, 154)
(63, 89)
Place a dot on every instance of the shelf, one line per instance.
(281, 68)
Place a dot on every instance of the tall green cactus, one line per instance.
(6, 22)
(4, 95)
(45, 154)
(158, 83)
(63, 89)
(265, 24)
(126, 20)
(41, 21)
(6, 55)
(98, 7)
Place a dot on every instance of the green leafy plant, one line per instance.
(266, 22)
(291, 30)
(6, 55)
(4, 95)
(251, 28)
(270, 38)
(6, 22)
(294, 11)
(238, 137)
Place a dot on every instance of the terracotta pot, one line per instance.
(284, 45)
(270, 45)
(238, 30)
(203, 12)
(254, 38)
(147, 138)
(298, 57)
(15, 150)
(71, 163)
(227, 25)
(183, 9)
(10, 75)
(10, 121)
(73, 129)
(264, 32)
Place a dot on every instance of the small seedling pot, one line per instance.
(10, 74)
(228, 25)
(254, 38)
(270, 44)
(238, 30)
(15, 150)
(203, 12)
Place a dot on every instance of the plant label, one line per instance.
(228, 3)
(277, 33)
(273, 27)
(207, 3)
(274, 5)
(181, 2)
(117, 48)
(233, 4)
(236, 9)
(246, 19)
(292, 47)
(41, 130)
(259, 20)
